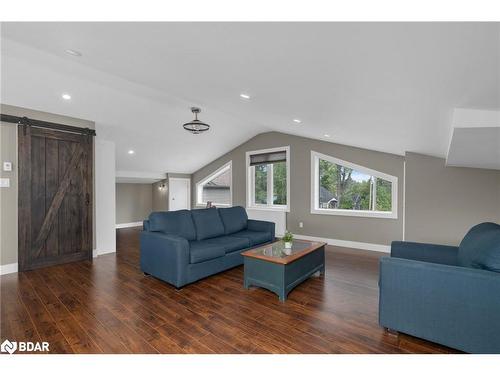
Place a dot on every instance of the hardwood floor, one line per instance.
(109, 306)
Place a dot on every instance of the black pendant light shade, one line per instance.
(196, 126)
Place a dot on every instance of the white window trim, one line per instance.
(211, 176)
(315, 156)
(251, 186)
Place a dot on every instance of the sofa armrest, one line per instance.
(425, 252)
(165, 256)
(450, 305)
(262, 226)
(145, 225)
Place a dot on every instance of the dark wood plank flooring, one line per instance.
(109, 306)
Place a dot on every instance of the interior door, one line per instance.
(179, 194)
(55, 197)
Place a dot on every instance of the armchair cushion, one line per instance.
(200, 251)
(177, 223)
(234, 219)
(480, 248)
(208, 223)
(425, 252)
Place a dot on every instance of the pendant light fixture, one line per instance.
(196, 126)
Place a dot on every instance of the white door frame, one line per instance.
(189, 189)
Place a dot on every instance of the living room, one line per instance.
(250, 188)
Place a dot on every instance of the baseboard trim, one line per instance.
(351, 244)
(8, 268)
(129, 225)
(97, 252)
(5, 269)
(102, 252)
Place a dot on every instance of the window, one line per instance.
(343, 188)
(268, 179)
(216, 188)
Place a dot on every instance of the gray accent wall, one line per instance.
(8, 196)
(134, 202)
(160, 196)
(442, 203)
(360, 229)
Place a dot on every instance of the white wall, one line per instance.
(277, 217)
(105, 196)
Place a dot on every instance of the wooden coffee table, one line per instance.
(280, 270)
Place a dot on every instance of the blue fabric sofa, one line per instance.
(445, 294)
(180, 247)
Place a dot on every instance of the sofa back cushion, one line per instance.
(208, 223)
(234, 219)
(179, 223)
(480, 248)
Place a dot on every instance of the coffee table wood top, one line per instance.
(276, 253)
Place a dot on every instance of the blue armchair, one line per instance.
(445, 294)
(180, 247)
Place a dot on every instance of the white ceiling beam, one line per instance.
(475, 139)
(475, 118)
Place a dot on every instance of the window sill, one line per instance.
(372, 214)
(269, 208)
(204, 205)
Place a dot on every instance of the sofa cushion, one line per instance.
(201, 251)
(480, 245)
(488, 257)
(254, 237)
(208, 223)
(179, 223)
(230, 244)
(234, 219)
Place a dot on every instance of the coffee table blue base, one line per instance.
(282, 278)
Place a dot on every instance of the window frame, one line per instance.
(250, 185)
(316, 156)
(211, 176)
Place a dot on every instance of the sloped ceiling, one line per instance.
(383, 86)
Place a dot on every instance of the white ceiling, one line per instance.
(383, 86)
(135, 180)
(138, 177)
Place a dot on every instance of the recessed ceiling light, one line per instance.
(245, 96)
(131, 152)
(73, 52)
(66, 96)
(327, 135)
(297, 121)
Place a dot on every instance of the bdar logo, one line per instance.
(24, 346)
(8, 347)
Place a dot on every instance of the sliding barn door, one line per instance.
(55, 197)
